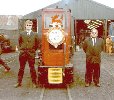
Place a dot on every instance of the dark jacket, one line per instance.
(93, 53)
(28, 43)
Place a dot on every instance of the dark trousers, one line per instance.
(4, 64)
(31, 60)
(92, 72)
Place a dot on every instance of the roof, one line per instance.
(81, 9)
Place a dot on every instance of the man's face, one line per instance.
(94, 33)
(28, 26)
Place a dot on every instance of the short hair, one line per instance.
(28, 22)
(94, 30)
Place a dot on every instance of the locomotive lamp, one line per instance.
(55, 36)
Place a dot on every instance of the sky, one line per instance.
(23, 7)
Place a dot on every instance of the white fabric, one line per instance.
(94, 41)
(28, 32)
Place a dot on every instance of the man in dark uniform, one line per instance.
(28, 43)
(2, 62)
(93, 46)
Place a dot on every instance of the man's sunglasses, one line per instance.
(28, 25)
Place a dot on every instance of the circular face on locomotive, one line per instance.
(55, 36)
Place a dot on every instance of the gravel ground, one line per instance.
(78, 90)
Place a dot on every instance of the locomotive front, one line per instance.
(56, 41)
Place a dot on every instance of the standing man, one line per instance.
(93, 46)
(28, 43)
